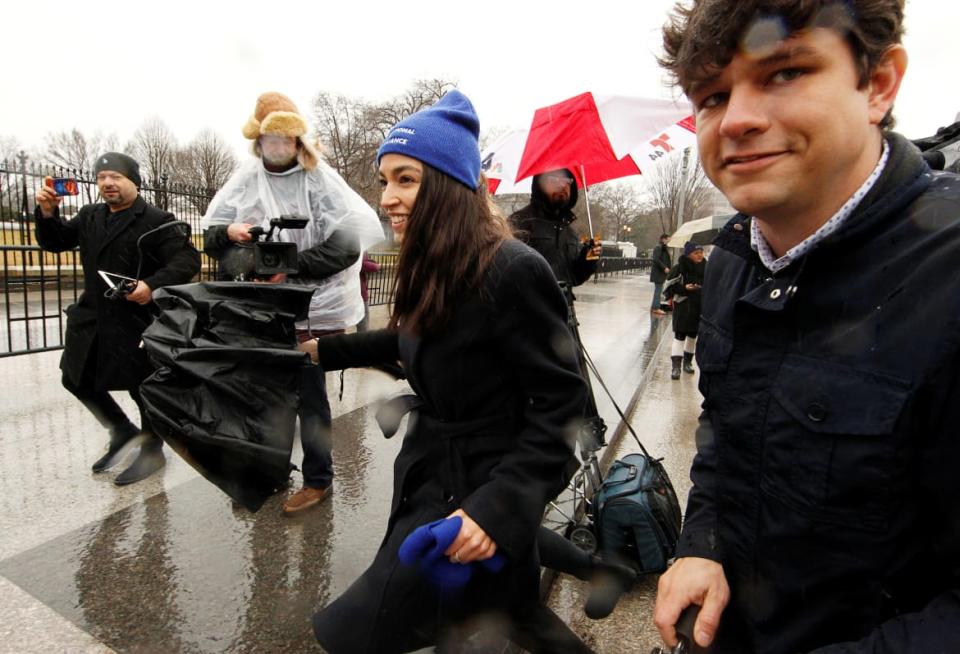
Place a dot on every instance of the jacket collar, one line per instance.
(905, 176)
(135, 210)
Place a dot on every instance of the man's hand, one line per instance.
(239, 232)
(310, 347)
(691, 580)
(47, 200)
(691, 287)
(142, 294)
(472, 543)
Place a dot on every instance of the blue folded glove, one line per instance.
(425, 547)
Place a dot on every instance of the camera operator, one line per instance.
(102, 350)
(289, 178)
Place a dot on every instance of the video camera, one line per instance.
(264, 257)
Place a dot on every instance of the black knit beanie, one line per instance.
(120, 163)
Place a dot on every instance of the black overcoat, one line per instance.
(660, 263)
(168, 258)
(502, 396)
(686, 302)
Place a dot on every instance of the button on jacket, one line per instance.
(826, 475)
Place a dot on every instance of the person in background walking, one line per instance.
(683, 285)
(660, 265)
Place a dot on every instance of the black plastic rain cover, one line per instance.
(225, 393)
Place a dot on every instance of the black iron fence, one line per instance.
(611, 266)
(380, 283)
(34, 296)
(19, 183)
(37, 286)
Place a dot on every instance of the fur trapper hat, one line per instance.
(275, 113)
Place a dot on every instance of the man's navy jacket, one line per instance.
(828, 469)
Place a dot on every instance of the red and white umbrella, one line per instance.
(598, 138)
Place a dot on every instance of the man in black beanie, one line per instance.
(102, 352)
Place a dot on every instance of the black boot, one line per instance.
(688, 362)
(609, 582)
(675, 373)
(119, 438)
(148, 461)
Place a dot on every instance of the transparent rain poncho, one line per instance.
(254, 195)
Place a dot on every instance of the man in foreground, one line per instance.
(822, 514)
(126, 237)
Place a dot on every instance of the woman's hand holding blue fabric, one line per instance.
(472, 543)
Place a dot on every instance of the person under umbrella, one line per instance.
(683, 285)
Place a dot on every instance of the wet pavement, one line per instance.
(171, 565)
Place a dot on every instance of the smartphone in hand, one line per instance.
(63, 186)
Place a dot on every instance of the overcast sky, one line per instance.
(108, 66)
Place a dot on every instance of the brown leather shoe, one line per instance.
(658, 312)
(304, 498)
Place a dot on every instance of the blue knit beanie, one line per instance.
(444, 136)
(690, 247)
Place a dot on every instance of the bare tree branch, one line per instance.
(153, 146)
(9, 149)
(616, 208)
(342, 126)
(77, 154)
(203, 165)
(677, 184)
(350, 130)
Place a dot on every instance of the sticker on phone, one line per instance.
(64, 186)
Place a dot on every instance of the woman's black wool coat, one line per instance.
(502, 397)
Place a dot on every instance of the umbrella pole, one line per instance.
(586, 196)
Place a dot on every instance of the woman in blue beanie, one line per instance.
(683, 284)
(479, 325)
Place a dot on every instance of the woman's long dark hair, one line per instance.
(450, 240)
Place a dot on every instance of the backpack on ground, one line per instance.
(637, 515)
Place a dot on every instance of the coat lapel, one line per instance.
(108, 234)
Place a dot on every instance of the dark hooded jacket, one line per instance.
(825, 479)
(547, 230)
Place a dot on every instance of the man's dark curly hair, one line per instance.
(703, 35)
